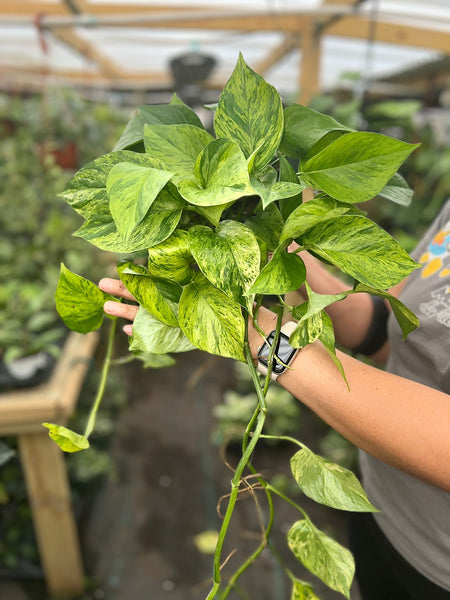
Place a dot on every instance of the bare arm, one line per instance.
(403, 423)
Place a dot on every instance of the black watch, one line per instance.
(284, 352)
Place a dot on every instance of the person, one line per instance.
(399, 417)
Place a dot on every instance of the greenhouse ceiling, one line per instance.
(301, 46)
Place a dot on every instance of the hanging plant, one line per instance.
(208, 211)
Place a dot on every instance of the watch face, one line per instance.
(283, 350)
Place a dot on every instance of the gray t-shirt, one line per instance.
(415, 517)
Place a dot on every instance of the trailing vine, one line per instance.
(215, 217)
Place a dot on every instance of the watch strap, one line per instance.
(287, 329)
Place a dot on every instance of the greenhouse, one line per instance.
(224, 300)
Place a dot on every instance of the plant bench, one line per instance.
(22, 413)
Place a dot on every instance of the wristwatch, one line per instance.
(284, 352)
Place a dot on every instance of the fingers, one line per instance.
(115, 288)
(124, 311)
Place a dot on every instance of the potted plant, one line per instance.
(206, 211)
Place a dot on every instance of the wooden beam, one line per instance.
(358, 27)
(31, 8)
(288, 44)
(84, 47)
(310, 64)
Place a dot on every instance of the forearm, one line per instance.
(401, 422)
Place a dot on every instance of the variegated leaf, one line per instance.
(250, 112)
(229, 256)
(362, 249)
(221, 176)
(312, 213)
(321, 555)
(175, 148)
(153, 336)
(356, 166)
(172, 258)
(304, 128)
(158, 296)
(132, 189)
(211, 320)
(285, 272)
(79, 302)
(328, 483)
(159, 114)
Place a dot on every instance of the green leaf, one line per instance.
(279, 190)
(67, 440)
(397, 190)
(172, 258)
(211, 320)
(158, 224)
(302, 591)
(166, 114)
(356, 166)
(317, 302)
(229, 256)
(132, 189)
(213, 213)
(321, 555)
(328, 483)
(154, 361)
(406, 319)
(362, 249)
(284, 273)
(328, 340)
(312, 213)
(288, 173)
(304, 128)
(221, 176)
(267, 225)
(175, 148)
(86, 191)
(157, 296)
(79, 302)
(88, 196)
(308, 329)
(152, 336)
(250, 113)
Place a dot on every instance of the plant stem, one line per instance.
(235, 482)
(101, 388)
(256, 553)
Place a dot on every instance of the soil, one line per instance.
(138, 535)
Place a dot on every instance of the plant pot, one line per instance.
(64, 154)
(26, 372)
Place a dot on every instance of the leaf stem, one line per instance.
(105, 370)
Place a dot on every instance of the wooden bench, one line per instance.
(22, 413)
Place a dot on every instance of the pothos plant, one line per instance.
(207, 212)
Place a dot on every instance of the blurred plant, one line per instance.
(233, 414)
(35, 223)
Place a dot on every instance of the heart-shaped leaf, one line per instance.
(250, 112)
(132, 189)
(356, 166)
(229, 256)
(79, 302)
(211, 320)
(321, 555)
(67, 440)
(329, 483)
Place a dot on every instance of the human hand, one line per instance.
(117, 309)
